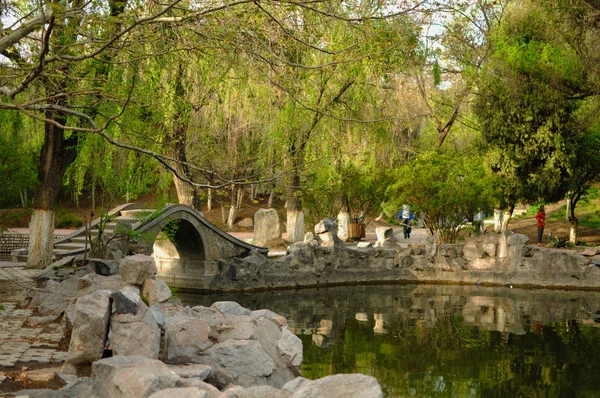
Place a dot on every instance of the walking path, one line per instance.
(25, 339)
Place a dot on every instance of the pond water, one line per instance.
(445, 341)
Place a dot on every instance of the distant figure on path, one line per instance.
(541, 223)
(407, 216)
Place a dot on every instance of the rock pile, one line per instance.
(135, 340)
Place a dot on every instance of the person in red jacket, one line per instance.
(541, 223)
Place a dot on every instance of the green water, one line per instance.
(446, 341)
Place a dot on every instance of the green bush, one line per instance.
(67, 220)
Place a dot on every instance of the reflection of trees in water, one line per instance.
(446, 340)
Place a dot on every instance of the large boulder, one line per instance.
(126, 300)
(137, 268)
(242, 362)
(185, 338)
(155, 291)
(290, 346)
(385, 238)
(266, 226)
(336, 386)
(135, 338)
(90, 326)
(186, 392)
(131, 376)
(343, 222)
(104, 267)
(327, 233)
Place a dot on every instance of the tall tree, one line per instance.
(528, 107)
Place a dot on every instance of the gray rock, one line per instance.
(472, 250)
(339, 386)
(256, 260)
(80, 388)
(254, 392)
(155, 315)
(363, 245)
(211, 391)
(104, 267)
(330, 239)
(131, 376)
(291, 347)
(230, 308)
(126, 300)
(183, 392)
(517, 239)
(591, 251)
(266, 226)
(155, 291)
(326, 225)
(135, 338)
(384, 233)
(278, 319)
(185, 339)
(90, 326)
(244, 361)
(137, 268)
(191, 370)
(246, 223)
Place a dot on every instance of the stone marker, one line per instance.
(266, 226)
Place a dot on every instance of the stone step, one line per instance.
(81, 239)
(136, 214)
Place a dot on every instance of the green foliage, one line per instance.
(361, 187)
(1, 307)
(445, 190)
(17, 159)
(591, 220)
(528, 108)
(557, 243)
(67, 220)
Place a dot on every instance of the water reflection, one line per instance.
(451, 341)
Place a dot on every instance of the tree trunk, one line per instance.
(240, 197)
(295, 216)
(232, 216)
(343, 221)
(56, 155)
(497, 220)
(186, 193)
(209, 199)
(271, 197)
(574, 228)
(234, 206)
(507, 216)
(223, 216)
(176, 141)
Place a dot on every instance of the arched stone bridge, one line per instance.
(187, 256)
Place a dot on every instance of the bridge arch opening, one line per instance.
(178, 248)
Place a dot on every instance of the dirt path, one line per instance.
(558, 227)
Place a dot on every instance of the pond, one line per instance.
(446, 341)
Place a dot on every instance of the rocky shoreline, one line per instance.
(505, 259)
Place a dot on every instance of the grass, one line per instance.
(1, 307)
